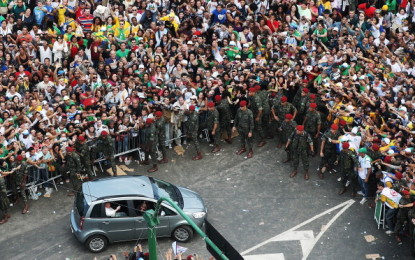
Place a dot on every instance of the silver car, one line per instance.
(110, 210)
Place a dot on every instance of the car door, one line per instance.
(162, 230)
(122, 226)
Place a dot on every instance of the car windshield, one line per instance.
(165, 189)
(81, 204)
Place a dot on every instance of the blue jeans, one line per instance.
(389, 217)
(44, 176)
(365, 187)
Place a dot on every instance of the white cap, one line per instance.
(335, 29)
(44, 102)
(408, 150)
(25, 132)
(246, 45)
(386, 140)
(189, 42)
(391, 151)
(232, 43)
(402, 108)
(141, 66)
(65, 98)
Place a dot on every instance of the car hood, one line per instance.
(192, 201)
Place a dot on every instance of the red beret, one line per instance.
(104, 133)
(313, 105)
(305, 90)
(398, 175)
(345, 145)
(159, 114)
(342, 122)
(218, 98)
(211, 104)
(19, 158)
(288, 116)
(405, 192)
(273, 94)
(69, 149)
(242, 103)
(252, 90)
(149, 120)
(376, 140)
(257, 87)
(300, 128)
(284, 99)
(375, 147)
(192, 108)
(312, 96)
(81, 138)
(334, 127)
(388, 159)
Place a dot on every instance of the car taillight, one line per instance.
(81, 223)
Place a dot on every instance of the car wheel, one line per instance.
(96, 243)
(183, 234)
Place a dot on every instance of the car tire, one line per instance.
(96, 243)
(182, 234)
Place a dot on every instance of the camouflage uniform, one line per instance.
(286, 131)
(107, 148)
(255, 105)
(348, 162)
(302, 106)
(299, 146)
(263, 94)
(313, 119)
(152, 141)
(330, 149)
(213, 118)
(244, 123)
(20, 179)
(281, 110)
(4, 201)
(73, 166)
(161, 134)
(402, 214)
(193, 129)
(85, 155)
(225, 117)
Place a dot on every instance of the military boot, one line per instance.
(164, 160)
(25, 208)
(293, 174)
(216, 149)
(145, 162)
(320, 174)
(228, 140)
(262, 143)
(250, 154)
(241, 151)
(288, 159)
(197, 157)
(306, 176)
(153, 169)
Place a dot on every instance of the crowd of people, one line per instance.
(323, 78)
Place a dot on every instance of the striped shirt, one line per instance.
(86, 22)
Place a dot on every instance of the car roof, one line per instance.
(117, 187)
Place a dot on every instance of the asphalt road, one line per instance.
(250, 201)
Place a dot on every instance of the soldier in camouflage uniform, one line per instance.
(280, 111)
(84, 153)
(263, 94)
(275, 101)
(302, 106)
(312, 123)
(213, 125)
(348, 164)
(255, 105)
(244, 123)
(107, 149)
(20, 179)
(225, 117)
(300, 142)
(405, 205)
(4, 201)
(73, 166)
(328, 149)
(193, 130)
(152, 141)
(160, 122)
(287, 129)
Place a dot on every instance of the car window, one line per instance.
(81, 204)
(142, 205)
(167, 211)
(113, 209)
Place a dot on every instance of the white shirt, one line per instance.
(392, 195)
(365, 164)
(110, 212)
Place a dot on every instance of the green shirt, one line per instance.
(121, 54)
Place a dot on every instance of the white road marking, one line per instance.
(306, 238)
(265, 256)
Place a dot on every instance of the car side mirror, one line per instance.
(162, 213)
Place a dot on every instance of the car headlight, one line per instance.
(199, 214)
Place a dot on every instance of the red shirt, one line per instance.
(275, 23)
(369, 12)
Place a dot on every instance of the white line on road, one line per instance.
(345, 206)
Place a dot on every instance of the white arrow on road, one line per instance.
(306, 237)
